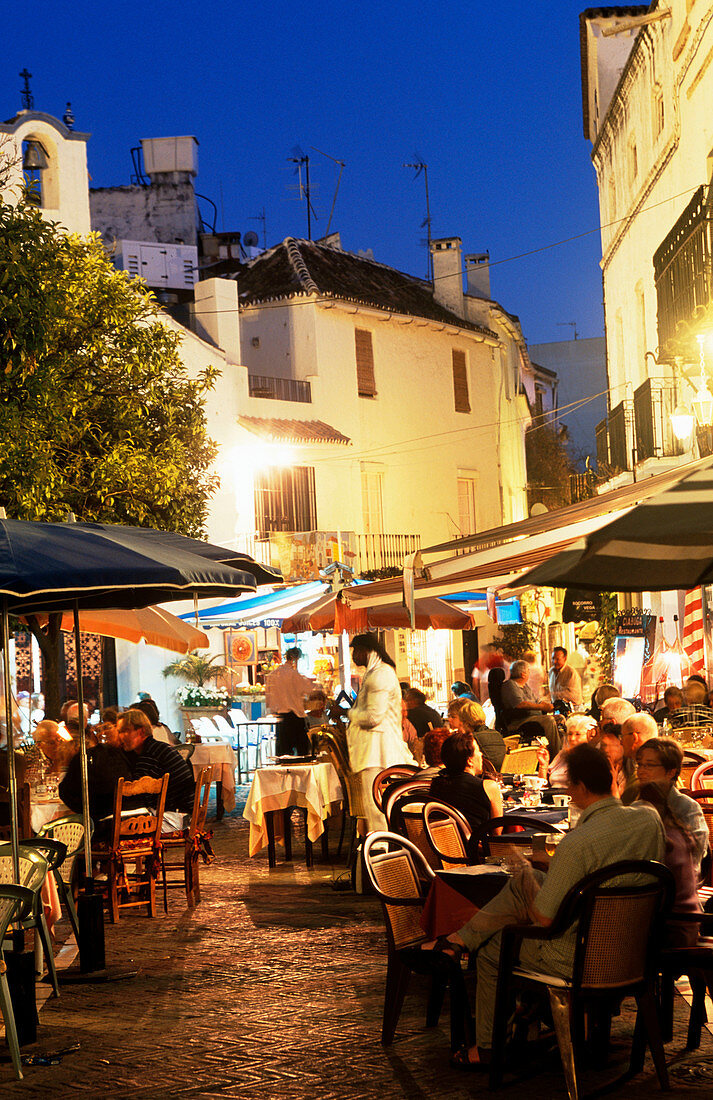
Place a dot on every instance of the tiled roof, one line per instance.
(297, 267)
(292, 431)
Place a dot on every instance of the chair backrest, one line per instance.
(691, 761)
(186, 751)
(448, 833)
(33, 867)
(621, 914)
(486, 843)
(704, 799)
(387, 776)
(397, 871)
(139, 826)
(404, 815)
(68, 830)
(200, 803)
(520, 762)
(702, 778)
(24, 827)
(237, 716)
(512, 740)
(224, 727)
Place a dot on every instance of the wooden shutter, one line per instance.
(460, 382)
(366, 385)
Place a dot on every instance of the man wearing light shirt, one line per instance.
(564, 680)
(285, 690)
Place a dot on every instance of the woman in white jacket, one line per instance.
(374, 736)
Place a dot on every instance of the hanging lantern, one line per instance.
(682, 422)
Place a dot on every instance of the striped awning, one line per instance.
(664, 543)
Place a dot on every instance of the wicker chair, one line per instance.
(448, 833)
(134, 840)
(194, 843)
(520, 762)
(69, 831)
(335, 742)
(403, 810)
(702, 778)
(388, 776)
(401, 878)
(618, 936)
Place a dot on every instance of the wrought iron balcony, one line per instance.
(654, 401)
(279, 389)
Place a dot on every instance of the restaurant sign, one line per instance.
(581, 606)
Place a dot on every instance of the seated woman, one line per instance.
(460, 783)
(611, 744)
(432, 745)
(467, 715)
(680, 860)
(577, 729)
(159, 729)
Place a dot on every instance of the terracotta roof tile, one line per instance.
(298, 267)
(292, 431)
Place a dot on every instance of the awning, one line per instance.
(292, 431)
(268, 609)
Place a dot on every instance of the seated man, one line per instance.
(695, 711)
(106, 764)
(672, 705)
(522, 707)
(147, 756)
(606, 833)
(420, 715)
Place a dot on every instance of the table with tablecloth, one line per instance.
(313, 787)
(220, 757)
(455, 896)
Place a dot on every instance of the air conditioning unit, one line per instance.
(163, 266)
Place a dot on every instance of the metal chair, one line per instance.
(448, 833)
(401, 878)
(33, 872)
(388, 776)
(69, 831)
(194, 841)
(16, 903)
(134, 839)
(618, 935)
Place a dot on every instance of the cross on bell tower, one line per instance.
(28, 100)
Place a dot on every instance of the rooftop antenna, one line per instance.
(420, 166)
(342, 166)
(261, 217)
(569, 324)
(28, 100)
(301, 159)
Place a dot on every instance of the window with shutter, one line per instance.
(285, 500)
(460, 382)
(366, 385)
(467, 516)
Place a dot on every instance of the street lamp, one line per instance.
(682, 422)
(702, 400)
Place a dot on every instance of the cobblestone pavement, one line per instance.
(271, 987)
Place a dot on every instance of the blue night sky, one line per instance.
(488, 95)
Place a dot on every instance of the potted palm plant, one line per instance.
(200, 695)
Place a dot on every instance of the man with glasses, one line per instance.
(658, 760)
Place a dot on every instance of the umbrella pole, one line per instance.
(90, 909)
(11, 773)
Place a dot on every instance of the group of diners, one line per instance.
(127, 744)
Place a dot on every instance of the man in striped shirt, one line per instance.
(147, 756)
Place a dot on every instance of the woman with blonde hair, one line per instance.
(470, 717)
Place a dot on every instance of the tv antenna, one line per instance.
(420, 166)
(569, 324)
(301, 160)
(342, 166)
(261, 217)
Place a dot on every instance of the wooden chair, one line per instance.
(520, 762)
(401, 878)
(135, 839)
(448, 833)
(619, 931)
(24, 827)
(388, 776)
(195, 843)
(702, 778)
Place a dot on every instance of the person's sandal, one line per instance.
(447, 947)
(461, 1060)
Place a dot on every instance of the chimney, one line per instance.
(477, 272)
(216, 315)
(447, 273)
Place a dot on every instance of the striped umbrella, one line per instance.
(693, 639)
(664, 543)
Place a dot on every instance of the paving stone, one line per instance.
(273, 987)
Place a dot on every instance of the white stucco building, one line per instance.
(647, 94)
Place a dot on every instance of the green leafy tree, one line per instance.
(98, 415)
(196, 668)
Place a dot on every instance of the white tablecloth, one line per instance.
(314, 786)
(42, 812)
(221, 758)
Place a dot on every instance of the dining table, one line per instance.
(219, 756)
(312, 786)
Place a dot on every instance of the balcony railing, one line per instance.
(601, 433)
(314, 550)
(621, 436)
(279, 389)
(683, 265)
(384, 551)
(654, 401)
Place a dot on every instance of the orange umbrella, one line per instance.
(152, 624)
(329, 614)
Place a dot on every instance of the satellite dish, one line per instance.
(250, 239)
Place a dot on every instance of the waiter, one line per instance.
(285, 690)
